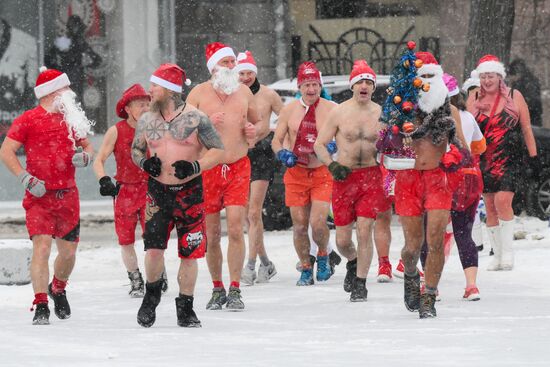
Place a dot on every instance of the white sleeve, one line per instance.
(477, 135)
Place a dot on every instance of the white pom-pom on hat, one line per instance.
(42, 69)
(188, 82)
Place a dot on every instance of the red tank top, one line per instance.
(126, 170)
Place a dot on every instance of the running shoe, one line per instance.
(266, 272)
(384, 272)
(471, 294)
(248, 276)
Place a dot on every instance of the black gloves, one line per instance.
(152, 165)
(107, 187)
(184, 169)
(339, 172)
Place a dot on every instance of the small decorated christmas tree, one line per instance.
(399, 111)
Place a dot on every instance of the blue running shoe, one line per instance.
(306, 278)
(323, 269)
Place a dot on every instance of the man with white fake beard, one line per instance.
(232, 109)
(50, 133)
(428, 188)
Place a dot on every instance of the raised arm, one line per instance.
(325, 135)
(107, 147)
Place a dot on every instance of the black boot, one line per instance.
(334, 260)
(184, 310)
(412, 292)
(146, 315)
(41, 314)
(351, 273)
(61, 305)
(427, 306)
(359, 290)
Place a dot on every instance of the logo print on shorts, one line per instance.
(194, 239)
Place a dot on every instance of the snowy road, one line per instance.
(284, 325)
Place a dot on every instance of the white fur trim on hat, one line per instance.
(246, 66)
(51, 86)
(165, 84)
(469, 83)
(492, 67)
(430, 69)
(218, 55)
(454, 92)
(367, 76)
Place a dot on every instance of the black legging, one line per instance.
(462, 230)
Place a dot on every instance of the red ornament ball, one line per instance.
(411, 45)
(395, 129)
(407, 106)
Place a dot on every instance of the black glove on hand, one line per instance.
(152, 165)
(185, 169)
(107, 187)
(339, 172)
(535, 167)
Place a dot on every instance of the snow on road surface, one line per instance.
(285, 325)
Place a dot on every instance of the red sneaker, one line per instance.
(471, 294)
(399, 270)
(384, 272)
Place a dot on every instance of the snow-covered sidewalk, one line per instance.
(285, 325)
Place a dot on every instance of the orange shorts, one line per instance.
(226, 185)
(303, 185)
(418, 191)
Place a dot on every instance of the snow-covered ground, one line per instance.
(285, 325)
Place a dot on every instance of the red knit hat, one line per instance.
(308, 72)
(215, 52)
(49, 81)
(361, 70)
(136, 91)
(246, 62)
(491, 64)
(429, 64)
(170, 76)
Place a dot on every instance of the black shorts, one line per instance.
(262, 160)
(180, 206)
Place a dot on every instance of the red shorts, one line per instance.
(303, 185)
(417, 191)
(57, 214)
(360, 195)
(129, 209)
(226, 185)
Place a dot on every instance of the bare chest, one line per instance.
(180, 131)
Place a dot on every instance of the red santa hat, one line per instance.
(170, 76)
(49, 81)
(308, 72)
(491, 64)
(215, 52)
(361, 70)
(429, 64)
(245, 61)
(136, 91)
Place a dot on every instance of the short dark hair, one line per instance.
(458, 102)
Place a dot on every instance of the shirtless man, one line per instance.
(231, 107)
(308, 184)
(262, 161)
(176, 134)
(427, 189)
(358, 193)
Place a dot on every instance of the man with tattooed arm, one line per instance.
(176, 134)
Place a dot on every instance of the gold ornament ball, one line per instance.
(417, 83)
(397, 100)
(426, 87)
(418, 63)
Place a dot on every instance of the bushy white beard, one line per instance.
(225, 80)
(73, 114)
(435, 97)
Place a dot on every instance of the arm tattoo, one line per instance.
(187, 123)
(208, 135)
(139, 145)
